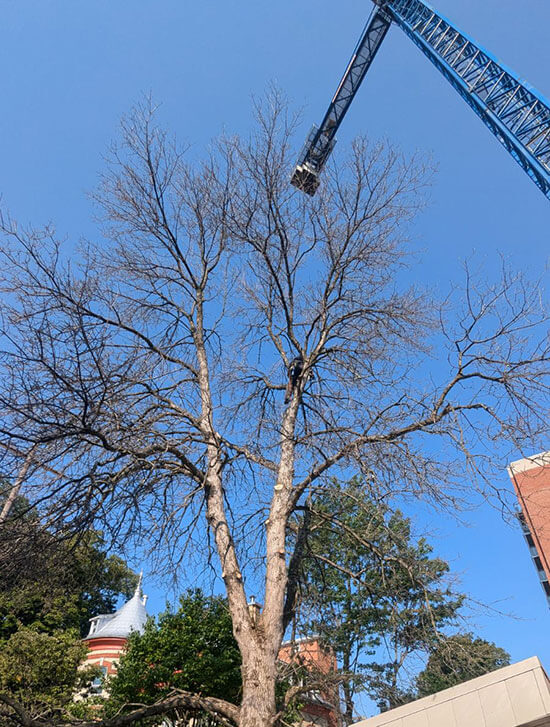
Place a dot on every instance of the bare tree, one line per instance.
(16, 487)
(154, 363)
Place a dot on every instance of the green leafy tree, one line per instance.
(368, 588)
(49, 588)
(192, 649)
(41, 671)
(457, 659)
(52, 584)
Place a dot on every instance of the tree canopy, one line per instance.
(49, 589)
(40, 671)
(457, 659)
(192, 649)
(150, 367)
(381, 601)
(59, 583)
(373, 594)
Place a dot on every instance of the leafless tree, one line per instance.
(153, 364)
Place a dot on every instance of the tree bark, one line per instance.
(17, 485)
(258, 707)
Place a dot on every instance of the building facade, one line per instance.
(109, 633)
(320, 706)
(531, 479)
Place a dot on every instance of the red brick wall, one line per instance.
(310, 652)
(531, 478)
(105, 652)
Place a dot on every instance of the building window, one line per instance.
(97, 684)
(534, 555)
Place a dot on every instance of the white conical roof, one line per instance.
(131, 617)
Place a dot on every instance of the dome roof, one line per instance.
(130, 617)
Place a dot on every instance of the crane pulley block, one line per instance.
(311, 160)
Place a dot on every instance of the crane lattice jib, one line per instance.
(321, 140)
(516, 113)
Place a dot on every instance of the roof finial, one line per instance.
(254, 610)
(138, 587)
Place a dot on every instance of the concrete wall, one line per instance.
(515, 696)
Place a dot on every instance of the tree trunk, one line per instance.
(17, 486)
(348, 691)
(258, 707)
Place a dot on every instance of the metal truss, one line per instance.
(321, 140)
(516, 113)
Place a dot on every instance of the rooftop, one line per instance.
(528, 463)
(514, 696)
(130, 617)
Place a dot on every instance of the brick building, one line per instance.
(320, 706)
(531, 479)
(109, 633)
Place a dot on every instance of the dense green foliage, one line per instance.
(370, 590)
(49, 589)
(457, 659)
(55, 584)
(192, 649)
(41, 670)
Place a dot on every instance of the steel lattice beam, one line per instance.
(321, 140)
(516, 113)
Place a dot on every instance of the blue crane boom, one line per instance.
(517, 114)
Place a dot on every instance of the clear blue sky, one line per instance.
(71, 68)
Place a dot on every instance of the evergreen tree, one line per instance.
(457, 659)
(369, 589)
